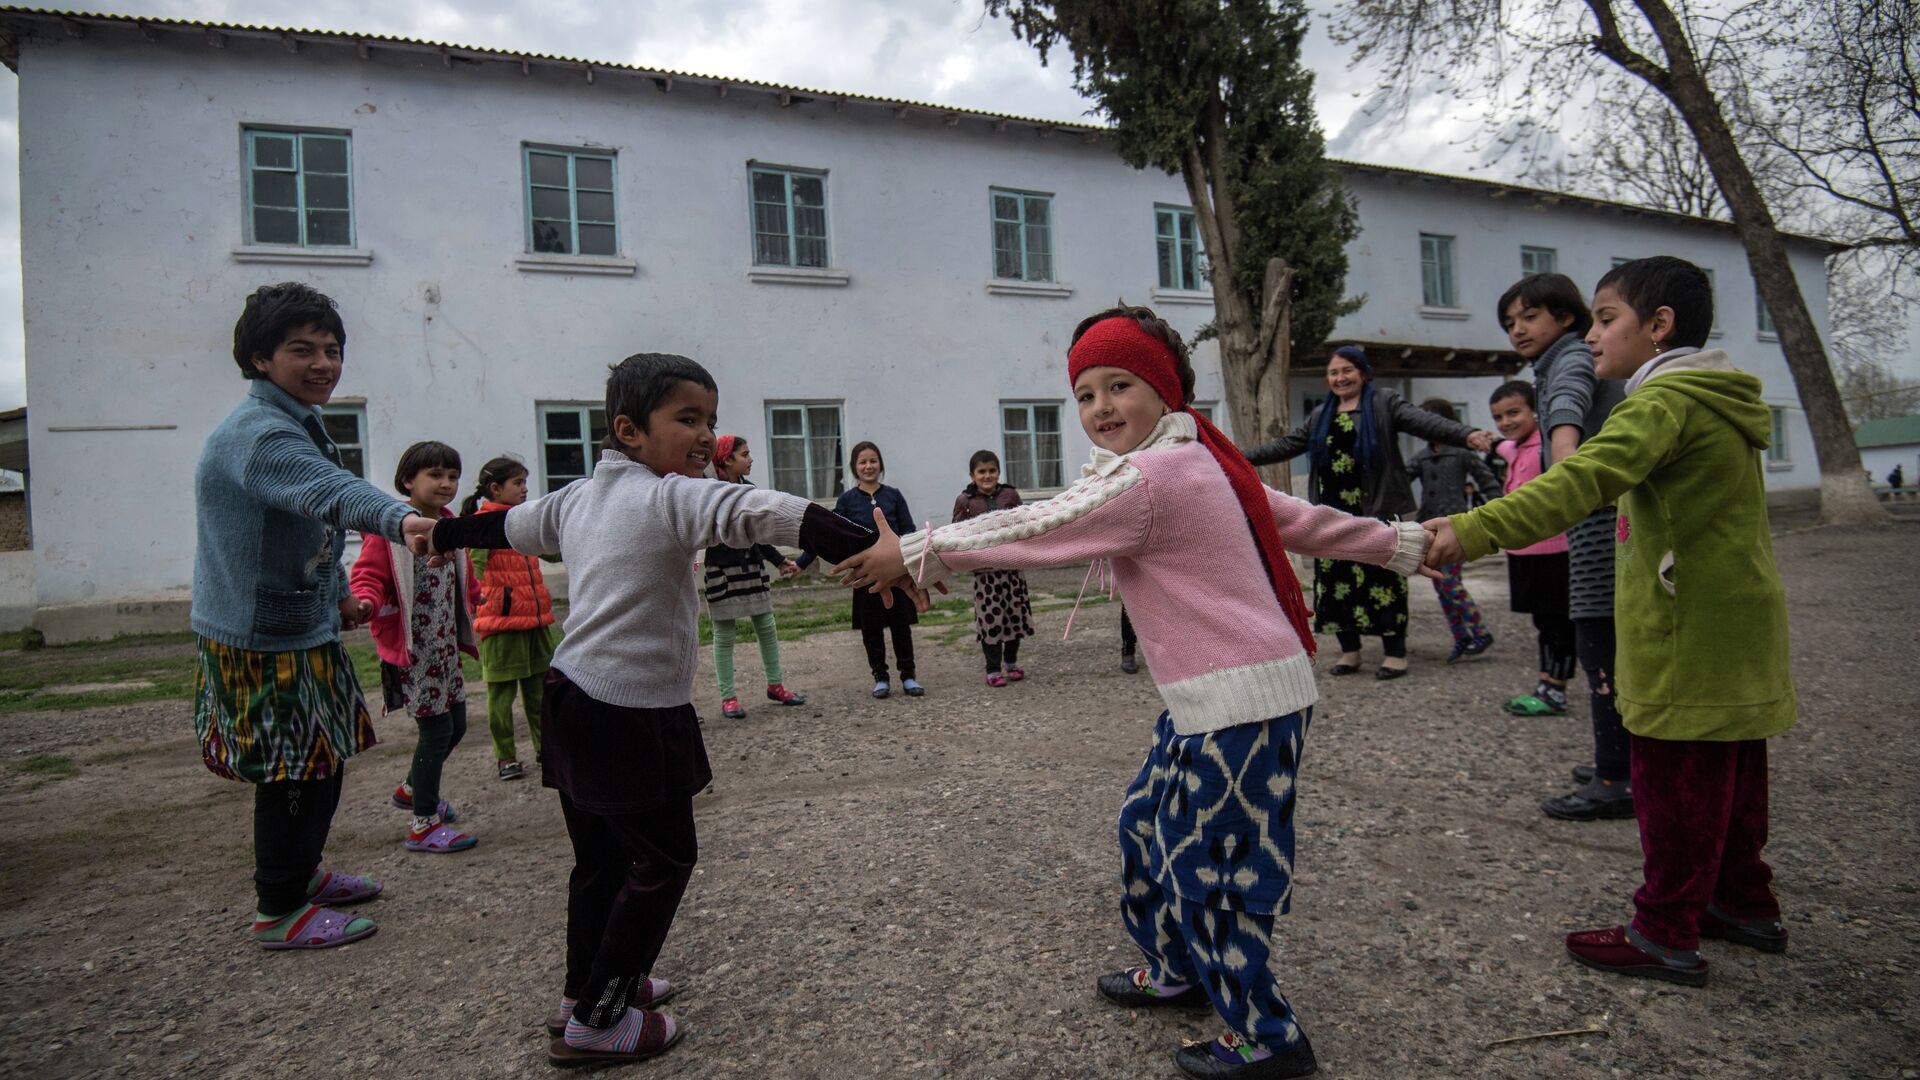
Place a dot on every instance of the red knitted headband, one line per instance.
(1121, 342)
(722, 450)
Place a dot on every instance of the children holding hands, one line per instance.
(1702, 674)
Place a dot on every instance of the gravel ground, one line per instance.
(926, 888)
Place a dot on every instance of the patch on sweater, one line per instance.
(1621, 530)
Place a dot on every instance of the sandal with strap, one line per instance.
(650, 994)
(440, 840)
(658, 1033)
(403, 799)
(344, 889)
(1014, 674)
(322, 928)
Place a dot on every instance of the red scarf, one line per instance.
(1122, 343)
(722, 450)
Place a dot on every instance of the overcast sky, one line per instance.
(942, 51)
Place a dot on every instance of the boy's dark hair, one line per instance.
(1555, 292)
(637, 385)
(1513, 388)
(423, 455)
(275, 310)
(1647, 285)
(1440, 407)
(496, 471)
(854, 455)
(1153, 325)
(981, 457)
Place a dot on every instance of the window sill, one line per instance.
(299, 256)
(543, 263)
(798, 275)
(1779, 466)
(1181, 296)
(1050, 289)
(1765, 336)
(1427, 312)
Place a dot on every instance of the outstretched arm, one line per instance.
(1326, 533)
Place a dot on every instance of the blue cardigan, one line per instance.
(273, 506)
(857, 506)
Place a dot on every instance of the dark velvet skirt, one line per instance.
(609, 759)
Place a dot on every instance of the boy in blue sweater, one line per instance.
(276, 703)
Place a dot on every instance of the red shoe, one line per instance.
(778, 692)
(1014, 674)
(1610, 950)
(732, 710)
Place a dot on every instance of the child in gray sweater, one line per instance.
(621, 742)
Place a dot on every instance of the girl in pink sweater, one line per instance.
(1195, 540)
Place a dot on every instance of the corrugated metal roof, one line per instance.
(1091, 131)
(1895, 431)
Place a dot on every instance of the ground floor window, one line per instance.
(804, 444)
(1030, 437)
(346, 425)
(570, 437)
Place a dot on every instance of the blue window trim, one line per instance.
(589, 446)
(1552, 259)
(1190, 263)
(994, 220)
(1032, 435)
(299, 136)
(806, 437)
(786, 175)
(573, 156)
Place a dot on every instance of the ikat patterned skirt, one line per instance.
(267, 716)
(1215, 812)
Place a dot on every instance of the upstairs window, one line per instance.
(1779, 454)
(1022, 235)
(1539, 260)
(299, 188)
(1436, 271)
(789, 218)
(570, 207)
(1177, 234)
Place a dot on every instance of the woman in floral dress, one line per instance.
(1352, 442)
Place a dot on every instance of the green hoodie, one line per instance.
(1699, 608)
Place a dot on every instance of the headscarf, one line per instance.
(1123, 343)
(1364, 439)
(722, 450)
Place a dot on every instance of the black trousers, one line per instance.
(1612, 749)
(1557, 647)
(1128, 639)
(1390, 644)
(291, 819)
(874, 638)
(629, 873)
(439, 734)
(1001, 652)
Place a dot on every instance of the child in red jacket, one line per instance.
(422, 620)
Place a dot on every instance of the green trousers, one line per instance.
(723, 651)
(500, 713)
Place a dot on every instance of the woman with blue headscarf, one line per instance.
(1352, 442)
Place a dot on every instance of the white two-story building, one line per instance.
(498, 228)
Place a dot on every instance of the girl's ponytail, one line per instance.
(496, 471)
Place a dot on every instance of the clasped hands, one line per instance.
(881, 569)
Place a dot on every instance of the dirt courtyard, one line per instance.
(927, 888)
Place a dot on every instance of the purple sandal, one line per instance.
(441, 840)
(402, 799)
(344, 889)
(322, 928)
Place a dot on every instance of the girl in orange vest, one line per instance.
(515, 619)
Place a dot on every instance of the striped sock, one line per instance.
(636, 1029)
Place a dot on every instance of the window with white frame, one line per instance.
(804, 442)
(1022, 235)
(299, 188)
(789, 217)
(570, 204)
(1763, 315)
(346, 425)
(1539, 260)
(1436, 271)
(1030, 436)
(570, 438)
(1177, 236)
(1779, 453)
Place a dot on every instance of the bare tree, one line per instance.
(1867, 331)
(1538, 56)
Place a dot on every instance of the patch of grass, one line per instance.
(48, 766)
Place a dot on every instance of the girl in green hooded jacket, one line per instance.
(1702, 673)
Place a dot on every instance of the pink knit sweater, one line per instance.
(1221, 650)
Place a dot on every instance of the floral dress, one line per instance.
(433, 685)
(1351, 597)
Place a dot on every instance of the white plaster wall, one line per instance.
(16, 590)
(1880, 460)
(132, 205)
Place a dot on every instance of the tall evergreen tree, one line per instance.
(1214, 91)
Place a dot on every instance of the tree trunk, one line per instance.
(1845, 496)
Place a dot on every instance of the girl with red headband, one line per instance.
(1195, 539)
(737, 588)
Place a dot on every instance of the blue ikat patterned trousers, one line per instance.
(1206, 848)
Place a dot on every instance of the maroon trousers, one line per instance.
(1702, 808)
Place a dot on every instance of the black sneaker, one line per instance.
(1596, 800)
(1132, 989)
(1459, 652)
(1479, 645)
(1215, 1058)
(1128, 664)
